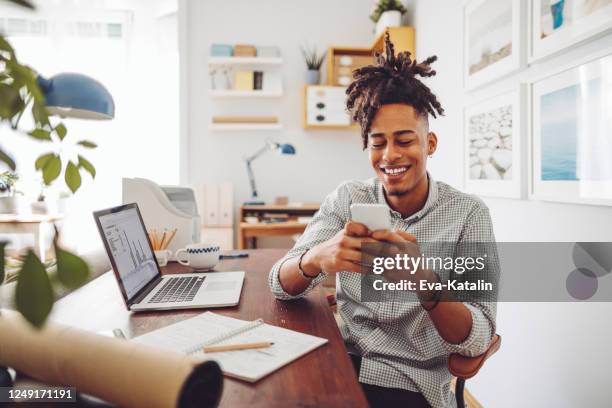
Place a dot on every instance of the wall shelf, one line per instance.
(244, 126)
(246, 94)
(244, 61)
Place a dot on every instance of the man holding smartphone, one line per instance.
(400, 349)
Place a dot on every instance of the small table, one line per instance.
(249, 231)
(31, 224)
(322, 378)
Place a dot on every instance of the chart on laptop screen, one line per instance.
(127, 240)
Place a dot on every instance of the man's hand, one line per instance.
(340, 253)
(401, 243)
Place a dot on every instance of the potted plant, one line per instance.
(314, 60)
(9, 202)
(387, 13)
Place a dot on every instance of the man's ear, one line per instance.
(432, 143)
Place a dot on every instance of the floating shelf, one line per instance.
(245, 94)
(245, 126)
(244, 61)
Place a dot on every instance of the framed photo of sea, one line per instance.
(572, 134)
(494, 146)
(492, 40)
(558, 24)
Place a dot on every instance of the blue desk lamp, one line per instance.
(77, 96)
(270, 145)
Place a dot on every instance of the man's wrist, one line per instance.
(309, 265)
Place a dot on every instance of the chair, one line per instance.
(464, 367)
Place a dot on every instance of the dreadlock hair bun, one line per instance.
(392, 79)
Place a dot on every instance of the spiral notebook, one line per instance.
(191, 335)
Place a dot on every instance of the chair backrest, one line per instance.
(466, 367)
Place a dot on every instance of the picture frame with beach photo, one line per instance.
(559, 24)
(492, 40)
(572, 134)
(495, 145)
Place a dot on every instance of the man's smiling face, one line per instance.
(398, 144)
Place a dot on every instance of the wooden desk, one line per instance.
(250, 231)
(322, 378)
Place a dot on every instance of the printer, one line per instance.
(165, 208)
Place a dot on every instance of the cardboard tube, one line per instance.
(118, 371)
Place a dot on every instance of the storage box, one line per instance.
(221, 50)
(243, 50)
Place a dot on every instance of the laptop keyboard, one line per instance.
(178, 290)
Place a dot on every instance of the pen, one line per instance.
(235, 347)
(235, 255)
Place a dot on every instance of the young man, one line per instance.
(401, 348)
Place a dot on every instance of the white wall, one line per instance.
(552, 354)
(323, 159)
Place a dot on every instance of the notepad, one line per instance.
(191, 335)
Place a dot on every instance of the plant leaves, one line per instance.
(2, 273)
(52, 169)
(23, 3)
(5, 46)
(72, 177)
(61, 131)
(72, 271)
(40, 134)
(42, 160)
(40, 114)
(34, 294)
(11, 101)
(8, 160)
(86, 164)
(87, 144)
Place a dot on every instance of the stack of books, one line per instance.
(248, 80)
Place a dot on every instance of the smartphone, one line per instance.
(374, 216)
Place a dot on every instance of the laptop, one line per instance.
(137, 272)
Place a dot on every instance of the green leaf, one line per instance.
(72, 177)
(86, 164)
(42, 160)
(72, 271)
(11, 101)
(61, 131)
(8, 160)
(33, 295)
(2, 273)
(5, 46)
(40, 134)
(52, 169)
(40, 114)
(87, 144)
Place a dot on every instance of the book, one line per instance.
(258, 80)
(244, 81)
(191, 335)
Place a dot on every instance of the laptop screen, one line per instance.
(128, 244)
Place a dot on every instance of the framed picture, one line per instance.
(491, 40)
(558, 24)
(494, 131)
(572, 135)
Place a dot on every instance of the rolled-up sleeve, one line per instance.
(477, 238)
(326, 223)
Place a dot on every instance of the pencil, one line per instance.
(161, 244)
(172, 234)
(235, 347)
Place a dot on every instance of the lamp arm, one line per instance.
(251, 178)
(265, 148)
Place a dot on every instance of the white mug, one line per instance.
(162, 256)
(199, 256)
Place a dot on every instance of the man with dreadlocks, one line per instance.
(400, 349)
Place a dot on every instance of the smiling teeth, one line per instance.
(395, 171)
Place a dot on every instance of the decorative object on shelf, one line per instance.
(66, 95)
(493, 146)
(221, 50)
(571, 135)
(558, 24)
(492, 40)
(244, 50)
(9, 202)
(314, 60)
(244, 81)
(269, 146)
(387, 13)
(268, 51)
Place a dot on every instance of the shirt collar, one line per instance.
(432, 198)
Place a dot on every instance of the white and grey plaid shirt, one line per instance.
(398, 342)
